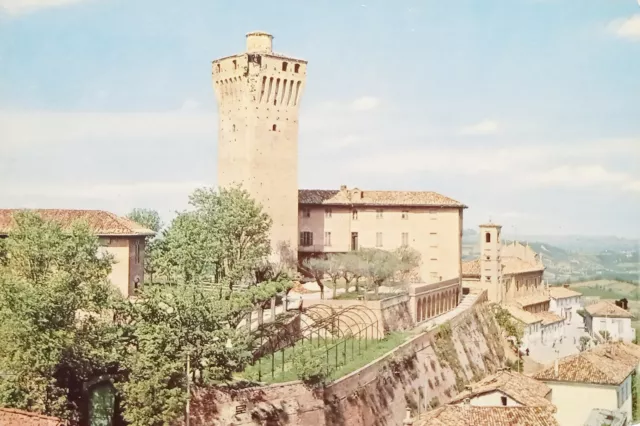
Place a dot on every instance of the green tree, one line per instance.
(317, 267)
(54, 324)
(224, 239)
(150, 219)
(511, 326)
(166, 324)
(381, 266)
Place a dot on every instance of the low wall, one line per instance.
(11, 417)
(427, 371)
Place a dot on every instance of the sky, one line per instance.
(527, 111)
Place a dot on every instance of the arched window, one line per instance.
(284, 66)
(487, 237)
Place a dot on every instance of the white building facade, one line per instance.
(565, 303)
(606, 321)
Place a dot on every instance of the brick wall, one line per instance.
(12, 417)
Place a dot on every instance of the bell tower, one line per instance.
(258, 94)
(490, 260)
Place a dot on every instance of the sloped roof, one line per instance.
(533, 299)
(559, 292)
(548, 317)
(456, 415)
(523, 389)
(11, 416)
(602, 417)
(512, 265)
(101, 222)
(607, 309)
(624, 352)
(522, 315)
(375, 198)
(471, 268)
(590, 367)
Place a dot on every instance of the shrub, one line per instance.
(310, 368)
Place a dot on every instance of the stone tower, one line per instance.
(258, 94)
(490, 260)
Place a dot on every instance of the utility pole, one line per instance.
(187, 409)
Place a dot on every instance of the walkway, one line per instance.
(546, 353)
(467, 301)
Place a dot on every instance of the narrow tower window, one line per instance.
(273, 127)
(487, 237)
(284, 66)
(217, 67)
(235, 64)
(296, 68)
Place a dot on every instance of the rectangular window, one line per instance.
(405, 239)
(354, 215)
(306, 212)
(327, 239)
(306, 238)
(405, 214)
(137, 255)
(378, 213)
(328, 212)
(378, 239)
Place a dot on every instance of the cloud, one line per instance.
(190, 105)
(585, 176)
(19, 7)
(22, 131)
(486, 127)
(365, 103)
(628, 28)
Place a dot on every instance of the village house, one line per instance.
(552, 327)
(565, 302)
(505, 388)
(507, 271)
(606, 321)
(531, 326)
(601, 377)
(118, 236)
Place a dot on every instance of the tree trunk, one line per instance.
(335, 288)
(321, 285)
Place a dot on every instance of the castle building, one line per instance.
(258, 94)
(511, 273)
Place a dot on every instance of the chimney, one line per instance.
(408, 421)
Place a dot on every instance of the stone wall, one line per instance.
(427, 371)
(11, 417)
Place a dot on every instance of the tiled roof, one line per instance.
(533, 299)
(522, 315)
(490, 225)
(457, 415)
(548, 317)
(102, 223)
(471, 268)
(523, 389)
(11, 416)
(590, 367)
(607, 309)
(622, 351)
(375, 198)
(562, 292)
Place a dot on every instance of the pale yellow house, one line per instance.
(118, 236)
(506, 388)
(337, 221)
(590, 379)
(507, 271)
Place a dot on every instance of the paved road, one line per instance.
(546, 353)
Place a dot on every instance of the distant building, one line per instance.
(606, 318)
(531, 325)
(598, 379)
(457, 415)
(565, 302)
(118, 236)
(506, 271)
(505, 389)
(552, 327)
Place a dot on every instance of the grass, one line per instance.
(354, 296)
(343, 357)
(601, 292)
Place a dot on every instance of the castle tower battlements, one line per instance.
(258, 94)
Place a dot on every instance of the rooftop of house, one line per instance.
(624, 352)
(520, 388)
(27, 418)
(471, 268)
(355, 196)
(522, 315)
(456, 415)
(548, 318)
(607, 309)
(602, 417)
(560, 292)
(533, 299)
(591, 367)
(100, 222)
